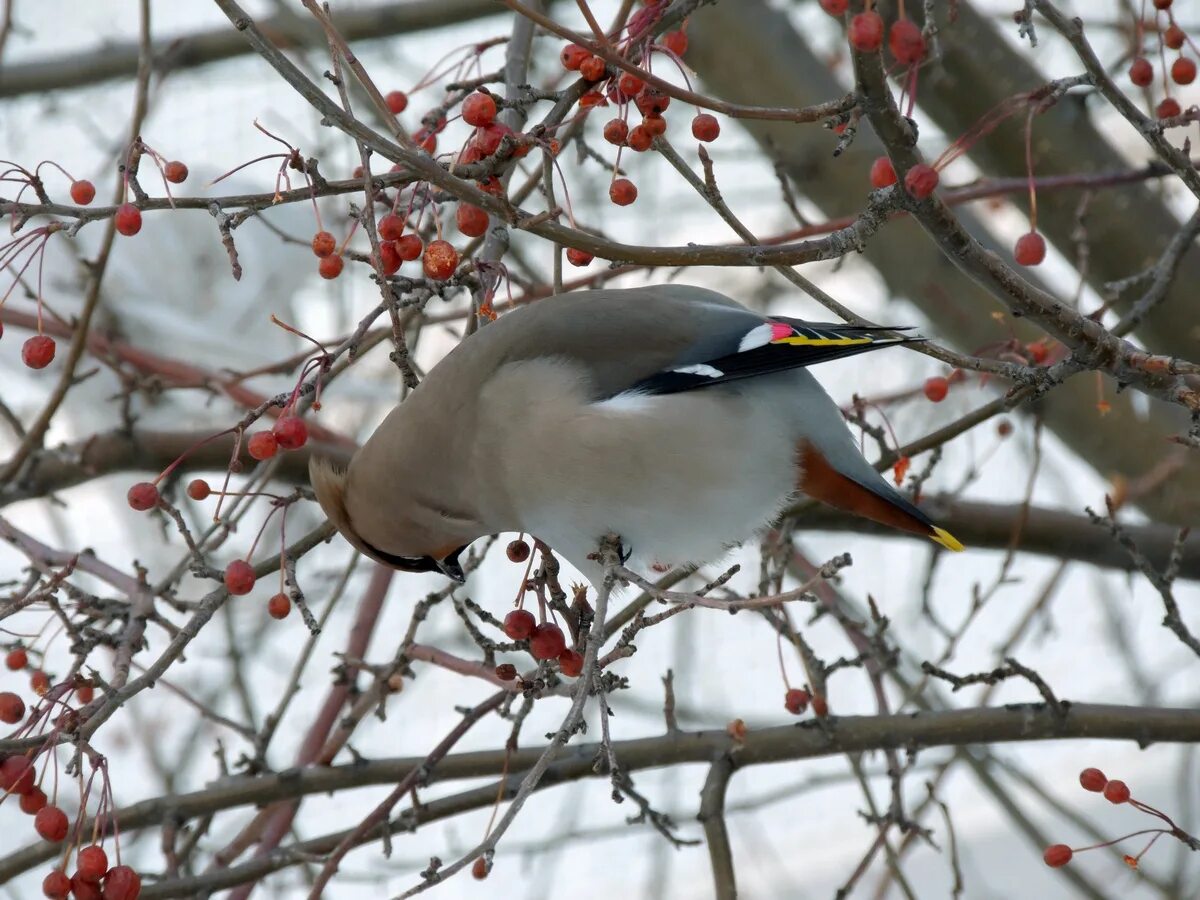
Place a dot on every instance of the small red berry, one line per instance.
(82, 889)
(85, 692)
(1183, 71)
(389, 259)
(472, 221)
(835, 7)
(480, 868)
(291, 433)
(616, 131)
(409, 247)
(630, 85)
(323, 244)
(1092, 780)
(1057, 855)
(1030, 249)
(573, 56)
(518, 625)
(921, 181)
(330, 267)
(83, 192)
(1004, 428)
(262, 445)
(39, 682)
(38, 351)
(936, 389)
(1168, 109)
(640, 139)
(1174, 36)
(518, 551)
(128, 219)
(56, 885)
(882, 173)
(91, 863)
(34, 801)
(795, 701)
(820, 706)
(279, 606)
(441, 259)
(390, 227)
(17, 773)
(906, 42)
(397, 102)
(593, 68)
(479, 109)
(506, 671)
(652, 102)
(578, 257)
(547, 641)
(676, 42)
(16, 659)
(570, 663)
(175, 172)
(654, 125)
(705, 127)
(1116, 792)
(122, 883)
(198, 489)
(1162, 4)
(622, 192)
(142, 496)
(239, 577)
(426, 140)
(866, 32)
(358, 172)
(51, 823)
(1141, 72)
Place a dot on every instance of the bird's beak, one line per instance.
(450, 566)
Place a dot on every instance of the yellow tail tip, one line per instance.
(946, 539)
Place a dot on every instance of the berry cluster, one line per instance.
(1182, 70)
(546, 639)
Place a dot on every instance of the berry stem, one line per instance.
(1029, 171)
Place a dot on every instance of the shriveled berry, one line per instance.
(16, 659)
(518, 551)
(676, 42)
(506, 671)
(655, 125)
(936, 388)
(705, 127)
(12, 708)
(91, 863)
(1092, 780)
(1057, 855)
(652, 102)
(198, 489)
(906, 42)
(866, 32)
(479, 109)
(56, 885)
(1116, 792)
(630, 85)
(17, 774)
(480, 869)
(1174, 36)
(547, 641)
(262, 445)
(142, 496)
(38, 351)
(570, 663)
(1141, 72)
(440, 261)
(795, 701)
(1183, 71)
(640, 138)
(615, 132)
(921, 181)
(175, 172)
(83, 192)
(128, 219)
(835, 7)
(1168, 109)
(397, 102)
(593, 68)
(1030, 249)
(33, 801)
(122, 883)
(622, 192)
(578, 257)
(573, 56)
(39, 682)
(279, 606)
(592, 98)
(323, 244)
(518, 624)
(472, 221)
(239, 577)
(330, 267)
(290, 432)
(51, 823)
(409, 247)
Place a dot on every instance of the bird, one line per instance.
(670, 415)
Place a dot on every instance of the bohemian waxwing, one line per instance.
(671, 416)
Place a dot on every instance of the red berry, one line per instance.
(142, 496)
(654, 125)
(936, 388)
(795, 701)
(921, 181)
(128, 219)
(91, 863)
(547, 641)
(1116, 792)
(882, 173)
(676, 42)
(1030, 249)
(866, 32)
(1183, 71)
(175, 172)
(16, 659)
(358, 171)
(262, 445)
(1168, 109)
(1057, 855)
(239, 577)
(592, 98)
(82, 889)
(51, 823)
(12, 710)
(279, 606)
(441, 259)
(479, 109)
(390, 228)
(397, 102)
(519, 624)
(615, 132)
(426, 140)
(1141, 72)
(122, 883)
(1092, 780)
(472, 221)
(56, 885)
(389, 259)
(291, 433)
(323, 244)
(198, 489)
(518, 551)
(570, 663)
(39, 682)
(506, 671)
(652, 102)
(640, 138)
(1174, 36)
(578, 257)
(622, 192)
(572, 57)
(479, 868)
(85, 692)
(330, 267)
(630, 85)
(1162, 4)
(17, 775)
(409, 247)
(38, 351)
(34, 801)
(705, 127)
(593, 68)
(906, 42)
(83, 192)
(835, 7)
